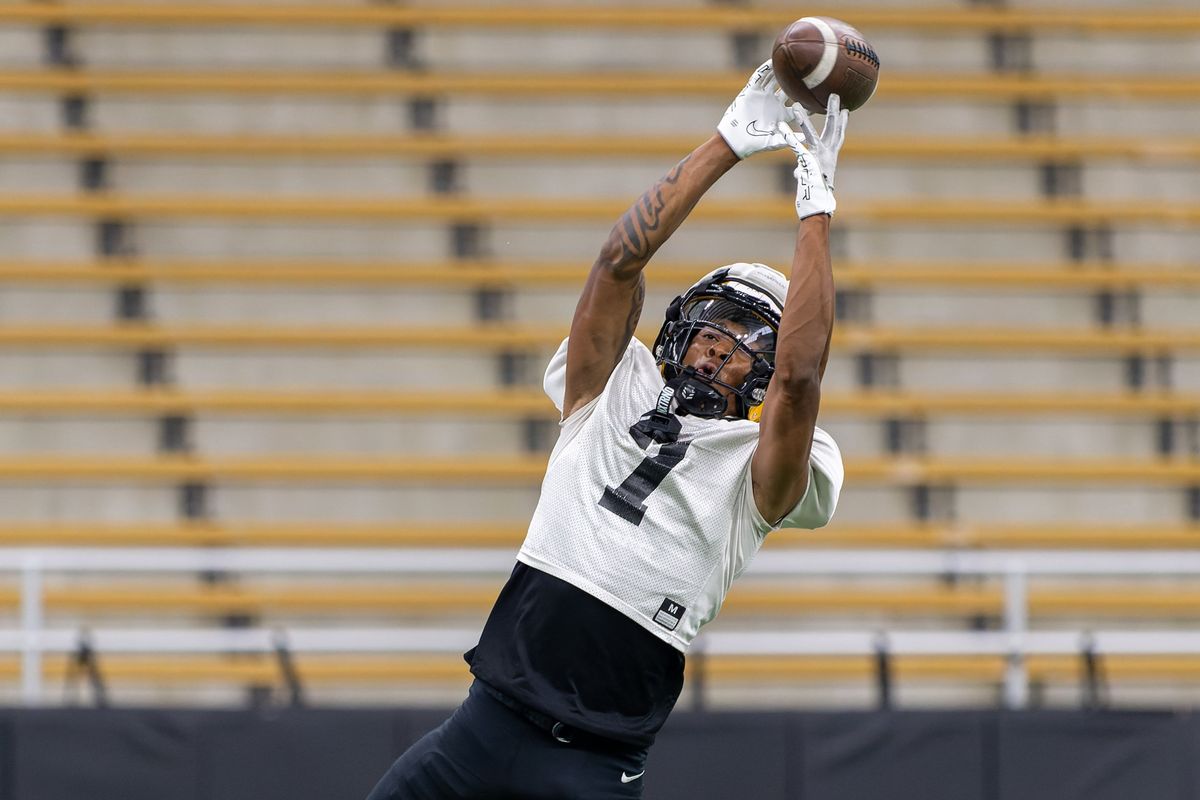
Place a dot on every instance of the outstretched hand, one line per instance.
(828, 143)
(751, 123)
(816, 159)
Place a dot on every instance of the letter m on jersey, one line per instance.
(669, 614)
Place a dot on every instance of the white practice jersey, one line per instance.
(659, 532)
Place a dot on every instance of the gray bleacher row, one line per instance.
(207, 114)
(249, 503)
(889, 306)
(575, 243)
(131, 503)
(612, 177)
(223, 436)
(259, 369)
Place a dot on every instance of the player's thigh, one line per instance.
(462, 759)
(424, 772)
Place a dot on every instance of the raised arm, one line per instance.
(611, 303)
(780, 470)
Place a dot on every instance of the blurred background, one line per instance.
(278, 283)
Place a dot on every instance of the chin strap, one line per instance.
(659, 425)
(684, 395)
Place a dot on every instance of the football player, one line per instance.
(671, 467)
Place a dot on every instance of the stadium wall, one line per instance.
(302, 754)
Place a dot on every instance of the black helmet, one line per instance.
(742, 302)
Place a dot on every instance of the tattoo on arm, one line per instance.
(635, 308)
(640, 230)
(611, 303)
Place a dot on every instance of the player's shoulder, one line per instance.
(638, 356)
(826, 455)
(636, 366)
(636, 369)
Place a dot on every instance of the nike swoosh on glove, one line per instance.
(751, 123)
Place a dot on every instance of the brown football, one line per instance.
(815, 57)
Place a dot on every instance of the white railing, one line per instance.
(1015, 642)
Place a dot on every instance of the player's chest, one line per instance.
(685, 485)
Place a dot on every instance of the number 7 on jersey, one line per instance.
(628, 501)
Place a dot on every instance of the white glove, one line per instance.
(751, 123)
(816, 159)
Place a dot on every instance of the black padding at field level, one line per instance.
(285, 755)
(730, 755)
(1094, 756)
(69, 754)
(926, 755)
(1191, 756)
(7, 752)
(316, 754)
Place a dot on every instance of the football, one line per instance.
(815, 57)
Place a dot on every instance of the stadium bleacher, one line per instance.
(283, 275)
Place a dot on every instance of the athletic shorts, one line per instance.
(488, 750)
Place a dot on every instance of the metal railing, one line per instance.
(1015, 642)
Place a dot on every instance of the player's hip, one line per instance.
(489, 750)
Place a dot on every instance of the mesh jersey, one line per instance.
(658, 532)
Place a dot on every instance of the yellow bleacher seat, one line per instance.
(506, 336)
(466, 274)
(1164, 19)
(357, 670)
(763, 211)
(984, 536)
(429, 600)
(531, 402)
(419, 670)
(433, 601)
(517, 403)
(526, 470)
(899, 87)
(257, 669)
(899, 535)
(502, 470)
(946, 668)
(285, 534)
(543, 147)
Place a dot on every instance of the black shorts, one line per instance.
(488, 750)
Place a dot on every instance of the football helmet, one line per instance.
(738, 306)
